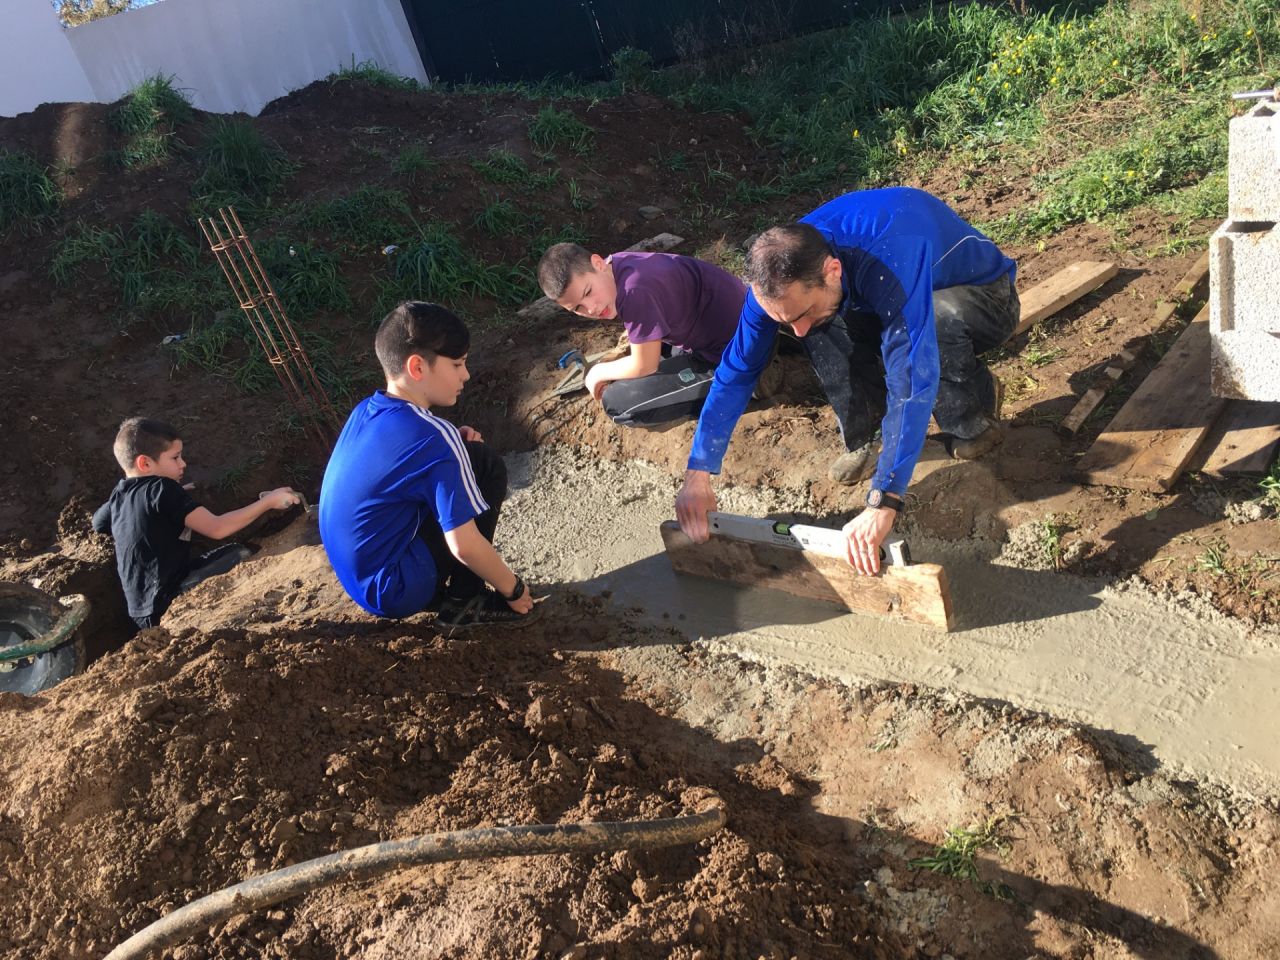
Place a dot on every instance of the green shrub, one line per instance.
(27, 192)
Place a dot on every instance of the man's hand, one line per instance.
(596, 382)
(693, 502)
(470, 433)
(863, 535)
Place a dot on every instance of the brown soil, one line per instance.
(271, 723)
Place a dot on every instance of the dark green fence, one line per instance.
(506, 40)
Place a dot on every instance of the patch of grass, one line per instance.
(500, 218)
(370, 216)
(632, 68)
(149, 117)
(1213, 560)
(434, 266)
(1270, 485)
(503, 166)
(240, 164)
(369, 72)
(1049, 533)
(28, 194)
(413, 161)
(305, 277)
(576, 198)
(551, 128)
(956, 856)
(1038, 355)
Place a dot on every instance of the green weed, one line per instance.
(305, 278)
(1213, 560)
(1049, 533)
(149, 117)
(576, 198)
(551, 128)
(956, 856)
(371, 216)
(413, 161)
(632, 68)
(369, 72)
(500, 218)
(27, 192)
(240, 164)
(1038, 356)
(1270, 485)
(503, 166)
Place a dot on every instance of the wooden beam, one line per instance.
(1102, 385)
(918, 592)
(1157, 431)
(1244, 440)
(546, 309)
(1063, 288)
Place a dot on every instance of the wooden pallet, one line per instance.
(1156, 433)
(1063, 288)
(545, 308)
(918, 592)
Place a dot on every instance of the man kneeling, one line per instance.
(409, 503)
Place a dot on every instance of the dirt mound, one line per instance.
(183, 764)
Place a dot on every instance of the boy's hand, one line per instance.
(595, 383)
(523, 603)
(281, 498)
(470, 433)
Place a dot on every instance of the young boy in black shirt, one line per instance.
(151, 515)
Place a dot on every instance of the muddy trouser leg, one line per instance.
(970, 320)
(845, 354)
(452, 577)
(675, 392)
(214, 563)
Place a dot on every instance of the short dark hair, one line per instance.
(782, 255)
(559, 265)
(426, 329)
(140, 437)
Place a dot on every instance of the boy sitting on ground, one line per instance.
(679, 313)
(409, 503)
(151, 516)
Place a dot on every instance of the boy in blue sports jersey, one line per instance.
(894, 296)
(409, 502)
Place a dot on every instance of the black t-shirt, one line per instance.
(147, 518)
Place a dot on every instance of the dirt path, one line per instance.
(1178, 684)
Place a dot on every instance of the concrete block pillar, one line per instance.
(1254, 167)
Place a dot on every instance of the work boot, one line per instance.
(980, 445)
(853, 466)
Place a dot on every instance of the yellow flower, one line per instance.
(1115, 63)
(855, 134)
(1249, 32)
(1005, 85)
(1128, 173)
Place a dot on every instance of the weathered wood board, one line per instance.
(545, 308)
(1063, 288)
(1243, 442)
(918, 592)
(1155, 434)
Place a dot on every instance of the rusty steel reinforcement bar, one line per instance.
(376, 859)
(279, 341)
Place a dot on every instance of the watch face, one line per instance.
(874, 498)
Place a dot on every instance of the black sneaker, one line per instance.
(483, 608)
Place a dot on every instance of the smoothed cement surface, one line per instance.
(1181, 685)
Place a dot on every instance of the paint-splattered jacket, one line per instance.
(896, 246)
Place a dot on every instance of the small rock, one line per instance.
(25, 543)
(650, 213)
(283, 830)
(576, 952)
(543, 720)
(644, 890)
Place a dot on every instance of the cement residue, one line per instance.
(1170, 680)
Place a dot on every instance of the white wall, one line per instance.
(228, 55)
(37, 64)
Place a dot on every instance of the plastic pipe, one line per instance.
(376, 859)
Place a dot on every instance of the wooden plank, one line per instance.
(545, 308)
(1244, 441)
(1063, 288)
(1157, 431)
(1107, 379)
(918, 592)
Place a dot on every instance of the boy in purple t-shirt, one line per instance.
(679, 313)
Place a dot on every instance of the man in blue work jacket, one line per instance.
(893, 296)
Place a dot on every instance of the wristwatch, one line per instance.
(516, 592)
(880, 498)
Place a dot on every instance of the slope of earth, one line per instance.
(78, 360)
(272, 723)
